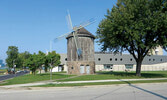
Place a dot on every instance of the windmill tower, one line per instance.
(81, 63)
(80, 49)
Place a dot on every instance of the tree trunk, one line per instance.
(40, 70)
(33, 71)
(51, 73)
(46, 69)
(138, 67)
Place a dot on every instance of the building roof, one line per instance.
(109, 58)
(82, 33)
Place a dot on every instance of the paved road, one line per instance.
(5, 77)
(112, 92)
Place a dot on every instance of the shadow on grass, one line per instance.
(133, 74)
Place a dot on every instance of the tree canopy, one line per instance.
(33, 61)
(135, 26)
(22, 58)
(12, 58)
(53, 58)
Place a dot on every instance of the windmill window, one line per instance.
(115, 59)
(131, 59)
(110, 59)
(149, 59)
(153, 59)
(161, 59)
(72, 67)
(99, 59)
(121, 59)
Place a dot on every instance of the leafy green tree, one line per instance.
(12, 58)
(53, 59)
(41, 60)
(46, 65)
(135, 26)
(22, 58)
(32, 63)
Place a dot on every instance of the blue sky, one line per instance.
(32, 24)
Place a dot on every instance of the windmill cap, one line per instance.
(82, 33)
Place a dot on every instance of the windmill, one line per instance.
(74, 31)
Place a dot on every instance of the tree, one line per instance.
(53, 59)
(22, 58)
(32, 63)
(41, 60)
(12, 58)
(46, 65)
(136, 26)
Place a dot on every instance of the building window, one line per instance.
(108, 66)
(65, 59)
(110, 59)
(129, 66)
(115, 59)
(121, 59)
(161, 59)
(153, 59)
(149, 59)
(131, 59)
(99, 59)
(72, 67)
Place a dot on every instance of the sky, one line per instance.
(32, 24)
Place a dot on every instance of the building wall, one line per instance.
(150, 63)
(76, 63)
(87, 46)
(154, 67)
(74, 67)
(157, 51)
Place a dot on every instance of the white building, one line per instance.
(124, 62)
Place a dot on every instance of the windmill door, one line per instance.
(82, 69)
(87, 69)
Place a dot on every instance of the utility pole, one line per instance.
(51, 70)
(50, 46)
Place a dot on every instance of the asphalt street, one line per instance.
(5, 77)
(156, 91)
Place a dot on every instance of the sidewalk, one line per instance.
(71, 82)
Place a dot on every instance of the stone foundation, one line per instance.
(81, 67)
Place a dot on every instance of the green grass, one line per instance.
(2, 71)
(101, 83)
(97, 76)
(34, 78)
(119, 75)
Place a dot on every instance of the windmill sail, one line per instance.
(78, 47)
(61, 37)
(74, 32)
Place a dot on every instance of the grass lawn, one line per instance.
(119, 75)
(2, 71)
(97, 76)
(34, 78)
(101, 83)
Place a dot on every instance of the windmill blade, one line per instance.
(68, 17)
(88, 22)
(84, 24)
(68, 23)
(61, 37)
(79, 51)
